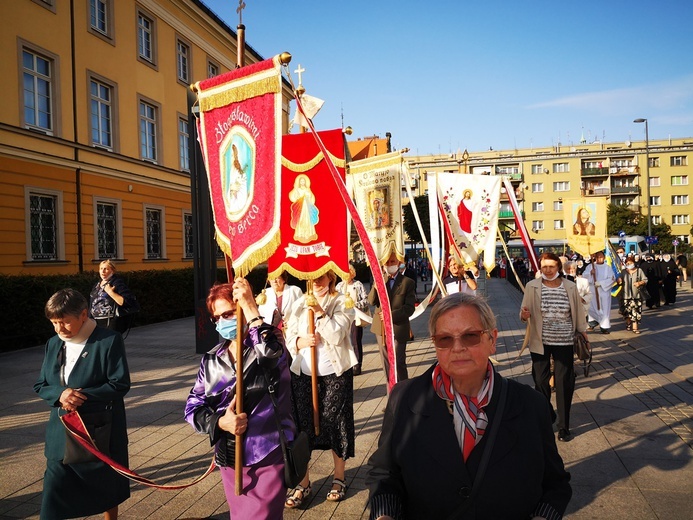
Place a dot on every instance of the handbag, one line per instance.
(296, 454)
(98, 425)
(642, 289)
(583, 351)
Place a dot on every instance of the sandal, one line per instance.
(337, 495)
(296, 496)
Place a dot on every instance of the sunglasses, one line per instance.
(226, 315)
(468, 339)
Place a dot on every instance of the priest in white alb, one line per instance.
(601, 278)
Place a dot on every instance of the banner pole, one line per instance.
(314, 363)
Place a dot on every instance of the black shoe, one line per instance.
(357, 370)
(564, 435)
(606, 331)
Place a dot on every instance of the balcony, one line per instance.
(620, 171)
(513, 176)
(594, 192)
(625, 190)
(594, 172)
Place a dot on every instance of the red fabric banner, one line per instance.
(240, 136)
(314, 235)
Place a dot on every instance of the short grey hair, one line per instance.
(455, 300)
(66, 302)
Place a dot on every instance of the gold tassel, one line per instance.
(261, 298)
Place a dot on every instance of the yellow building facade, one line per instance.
(542, 178)
(94, 159)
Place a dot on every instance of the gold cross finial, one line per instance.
(239, 10)
(299, 71)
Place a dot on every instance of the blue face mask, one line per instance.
(227, 329)
(402, 266)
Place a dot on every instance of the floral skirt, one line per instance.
(336, 410)
(632, 310)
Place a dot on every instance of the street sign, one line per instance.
(621, 234)
(651, 240)
(675, 242)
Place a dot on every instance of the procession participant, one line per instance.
(439, 426)
(335, 360)
(601, 279)
(400, 292)
(670, 273)
(583, 286)
(633, 279)
(278, 299)
(360, 298)
(210, 407)
(682, 264)
(557, 315)
(653, 272)
(459, 280)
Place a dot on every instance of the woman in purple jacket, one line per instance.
(211, 404)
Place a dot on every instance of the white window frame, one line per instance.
(679, 200)
(682, 180)
(655, 182)
(537, 225)
(537, 206)
(183, 60)
(679, 220)
(183, 144)
(59, 222)
(558, 205)
(537, 187)
(112, 106)
(149, 137)
(119, 226)
(213, 68)
(655, 200)
(656, 220)
(678, 160)
(146, 34)
(562, 167)
(560, 186)
(162, 230)
(53, 82)
(558, 224)
(106, 30)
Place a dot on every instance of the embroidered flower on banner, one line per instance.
(484, 223)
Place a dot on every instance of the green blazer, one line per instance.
(102, 374)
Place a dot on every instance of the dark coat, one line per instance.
(402, 301)
(419, 462)
(103, 375)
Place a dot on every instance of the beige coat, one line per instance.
(532, 300)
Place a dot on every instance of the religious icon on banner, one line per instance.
(583, 224)
(304, 212)
(465, 211)
(238, 167)
(587, 229)
(379, 205)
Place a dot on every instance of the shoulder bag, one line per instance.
(583, 351)
(642, 289)
(297, 454)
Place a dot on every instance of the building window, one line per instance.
(679, 160)
(680, 219)
(679, 200)
(537, 187)
(536, 169)
(558, 224)
(561, 167)
(154, 232)
(655, 181)
(507, 170)
(679, 180)
(656, 220)
(183, 151)
(146, 38)
(561, 186)
(183, 61)
(101, 106)
(622, 201)
(188, 244)
(101, 18)
(107, 229)
(558, 205)
(655, 201)
(148, 131)
(537, 225)
(48, 4)
(38, 91)
(44, 211)
(212, 69)
(654, 162)
(537, 206)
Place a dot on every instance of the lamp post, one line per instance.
(647, 177)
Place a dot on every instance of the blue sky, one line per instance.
(442, 76)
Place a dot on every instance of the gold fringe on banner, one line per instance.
(257, 257)
(303, 275)
(261, 87)
(367, 165)
(304, 167)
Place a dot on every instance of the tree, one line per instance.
(620, 218)
(409, 224)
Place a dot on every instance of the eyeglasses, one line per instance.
(226, 315)
(468, 339)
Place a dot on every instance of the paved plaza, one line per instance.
(632, 456)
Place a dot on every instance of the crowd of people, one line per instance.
(458, 406)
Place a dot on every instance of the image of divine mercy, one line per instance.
(304, 213)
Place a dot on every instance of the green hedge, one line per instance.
(162, 295)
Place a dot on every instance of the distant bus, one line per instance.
(633, 243)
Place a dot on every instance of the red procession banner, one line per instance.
(314, 235)
(240, 136)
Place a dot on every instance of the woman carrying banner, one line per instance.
(441, 428)
(211, 404)
(84, 369)
(335, 359)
